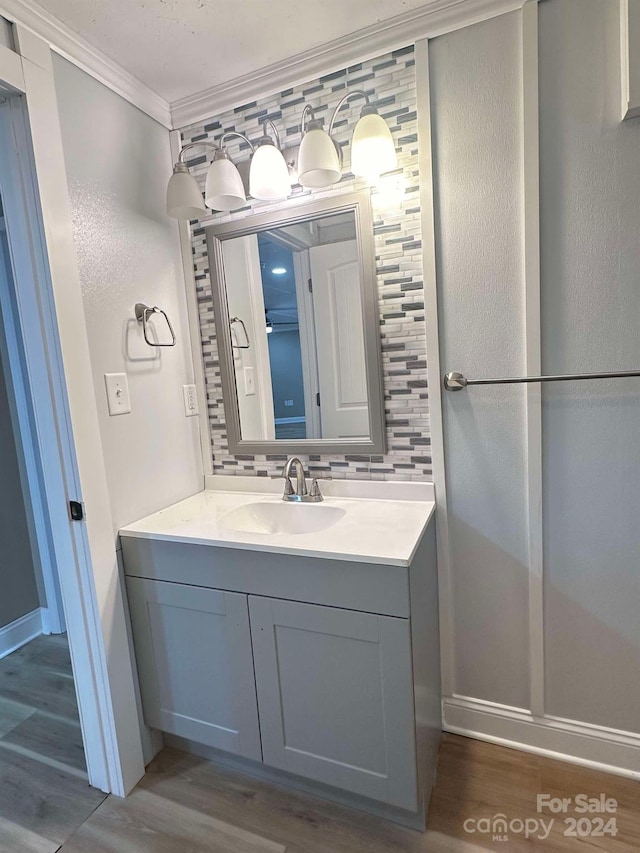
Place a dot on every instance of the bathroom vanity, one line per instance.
(301, 639)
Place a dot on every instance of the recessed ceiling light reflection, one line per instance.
(278, 270)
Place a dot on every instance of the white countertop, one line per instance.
(372, 530)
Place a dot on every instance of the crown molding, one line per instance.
(433, 19)
(78, 51)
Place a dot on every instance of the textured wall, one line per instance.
(117, 161)
(477, 104)
(590, 301)
(390, 80)
(590, 186)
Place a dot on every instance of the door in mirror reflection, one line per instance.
(294, 298)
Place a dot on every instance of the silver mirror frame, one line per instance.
(360, 204)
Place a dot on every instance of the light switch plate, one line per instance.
(249, 382)
(190, 400)
(117, 393)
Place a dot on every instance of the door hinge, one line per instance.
(310, 283)
(76, 511)
(318, 399)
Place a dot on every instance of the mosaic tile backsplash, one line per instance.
(390, 82)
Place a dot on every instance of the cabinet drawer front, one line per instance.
(193, 649)
(358, 586)
(335, 694)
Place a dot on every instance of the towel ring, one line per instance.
(143, 312)
(244, 329)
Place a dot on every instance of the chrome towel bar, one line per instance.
(455, 381)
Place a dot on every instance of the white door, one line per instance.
(337, 299)
(249, 337)
(193, 649)
(335, 694)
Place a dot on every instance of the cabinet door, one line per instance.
(335, 694)
(193, 648)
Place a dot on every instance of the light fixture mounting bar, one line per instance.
(201, 144)
(266, 136)
(230, 133)
(355, 94)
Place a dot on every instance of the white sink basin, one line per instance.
(281, 517)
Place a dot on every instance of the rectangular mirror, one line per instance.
(296, 312)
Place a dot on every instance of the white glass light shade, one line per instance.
(318, 163)
(224, 189)
(269, 175)
(184, 199)
(372, 148)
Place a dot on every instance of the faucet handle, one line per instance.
(288, 488)
(314, 491)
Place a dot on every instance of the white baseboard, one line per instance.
(19, 632)
(600, 748)
(50, 620)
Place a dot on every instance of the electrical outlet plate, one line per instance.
(190, 400)
(117, 393)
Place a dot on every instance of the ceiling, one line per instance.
(182, 47)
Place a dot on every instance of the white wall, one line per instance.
(118, 162)
(590, 499)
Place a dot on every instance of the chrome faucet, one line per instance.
(300, 493)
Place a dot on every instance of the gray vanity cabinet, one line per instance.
(313, 669)
(193, 648)
(335, 693)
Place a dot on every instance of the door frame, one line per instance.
(308, 347)
(47, 322)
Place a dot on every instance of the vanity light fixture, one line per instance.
(319, 158)
(224, 189)
(269, 178)
(372, 148)
(319, 162)
(184, 199)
